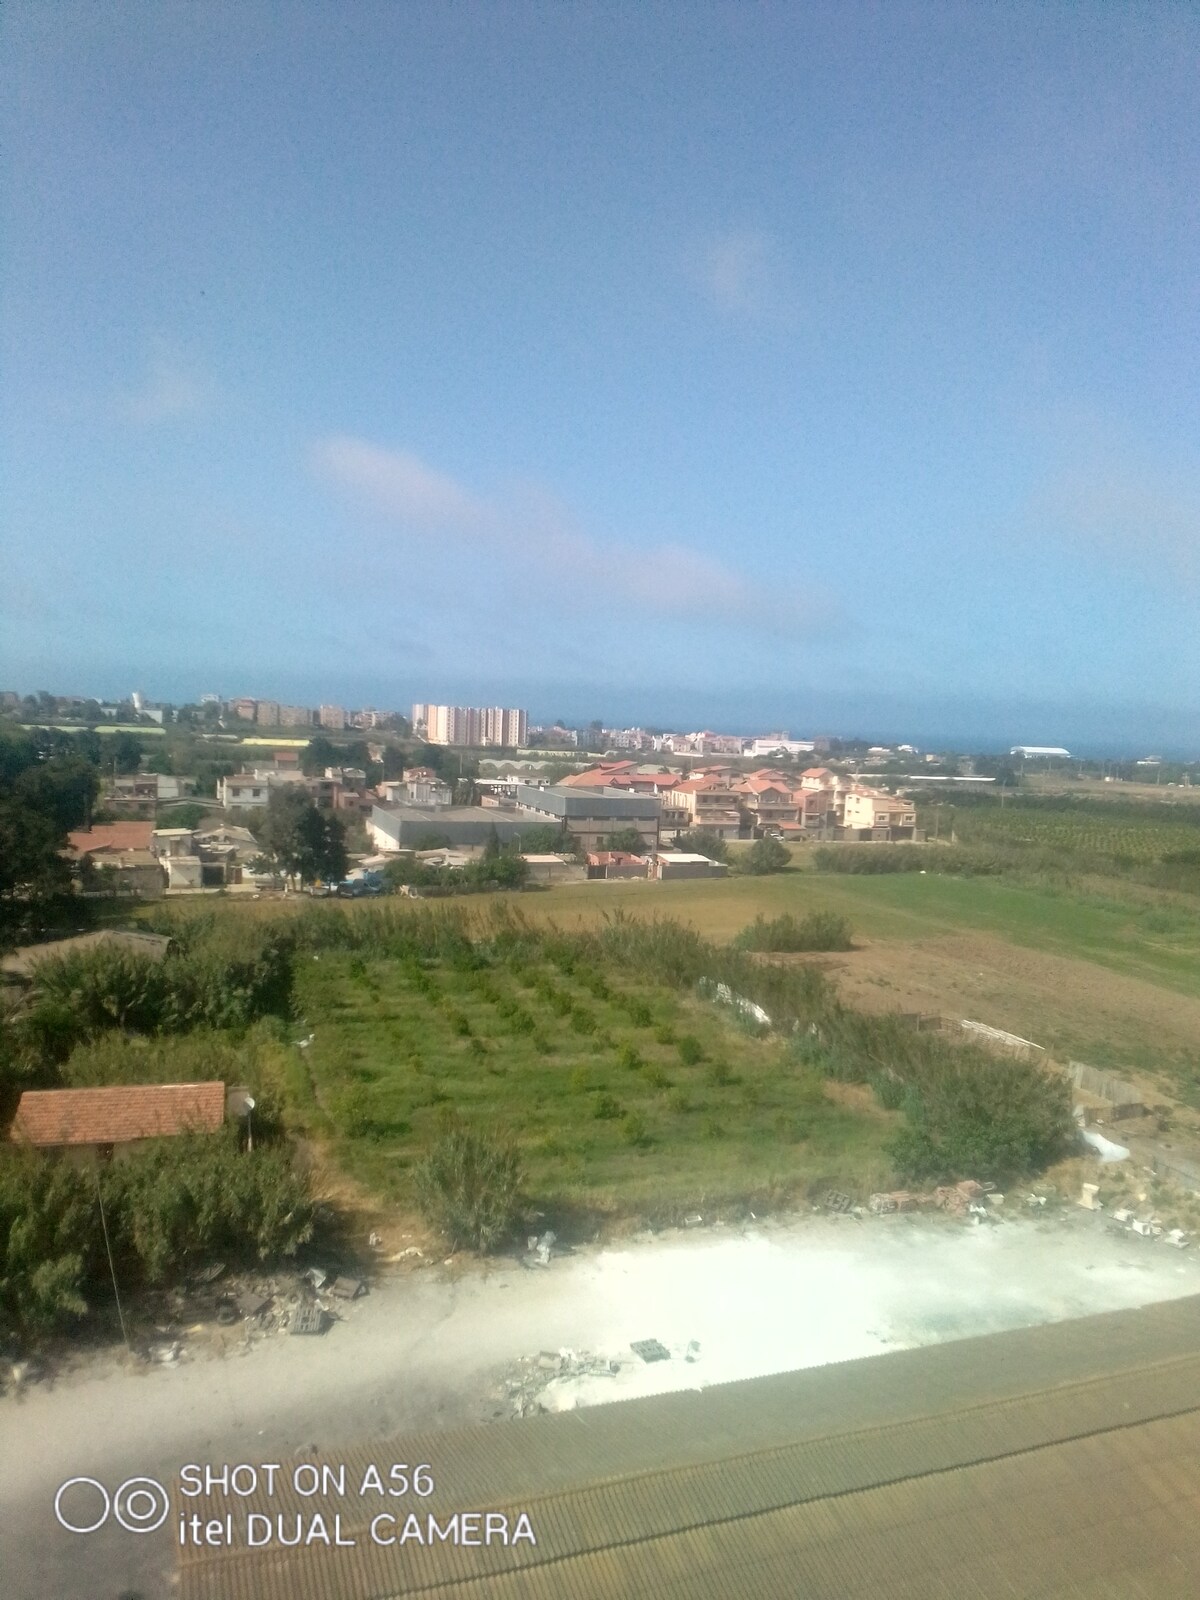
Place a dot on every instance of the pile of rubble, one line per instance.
(1125, 1221)
(256, 1305)
(525, 1384)
(967, 1198)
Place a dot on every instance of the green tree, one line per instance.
(63, 790)
(627, 839)
(299, 841)
(318, 754)
(544, 840)
(765, 856)
(48, 1229)
(124, 752)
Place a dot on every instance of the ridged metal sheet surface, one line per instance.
(1087, 1431)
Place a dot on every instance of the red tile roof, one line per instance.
(113, 836)
(614, 858)
(49, 1117)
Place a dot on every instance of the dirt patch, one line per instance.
(1073, 1008)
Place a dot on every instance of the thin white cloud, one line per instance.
(741, 272)
(532, 527)
(1128, 514)
(169, 388)
(400, 485)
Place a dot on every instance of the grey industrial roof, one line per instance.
(604, 803)
(1043, 1464)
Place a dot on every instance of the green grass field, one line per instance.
(621, 1096)
(1157, 942)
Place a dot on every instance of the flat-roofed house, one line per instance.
(870, 814)
(607, 865)
(243, 791)
(686, 864)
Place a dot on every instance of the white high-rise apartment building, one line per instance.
(472, 725)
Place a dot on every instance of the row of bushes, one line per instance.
(884, 858)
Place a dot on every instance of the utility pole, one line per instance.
(111, 1267)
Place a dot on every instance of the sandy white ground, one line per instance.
(432, 1348)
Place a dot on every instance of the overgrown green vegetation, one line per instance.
(168, 1206)
(871, 860)
(471, 1061)
(469, 1187)
(818, 930)
(1157, 845)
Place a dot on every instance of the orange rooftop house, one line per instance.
(95, 1124)
(117, 858)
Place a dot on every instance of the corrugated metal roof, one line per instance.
(1035, 1463)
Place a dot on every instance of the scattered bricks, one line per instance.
(881, 1205)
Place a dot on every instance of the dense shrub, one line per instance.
(218, 985)
(766, 856)
(48, 1229)
(819, 930)
(991, 1119)
(469, 1187)
(180, 1201)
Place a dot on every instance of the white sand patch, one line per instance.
(779, 1300)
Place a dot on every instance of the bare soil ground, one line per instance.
(1072, 1008)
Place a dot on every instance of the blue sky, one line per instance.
(830, 367)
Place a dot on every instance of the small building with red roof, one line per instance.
(95, 1123)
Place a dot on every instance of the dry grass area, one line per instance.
(1073, 1008)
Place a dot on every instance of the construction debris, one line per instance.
(307, 1319)
(539, 1250)
(316, 1276)
(347, 1288)
(1087, 1197)
(837, 1202)
(650, 1350)
(528, 1381)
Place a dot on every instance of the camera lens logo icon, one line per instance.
(140, 1505)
